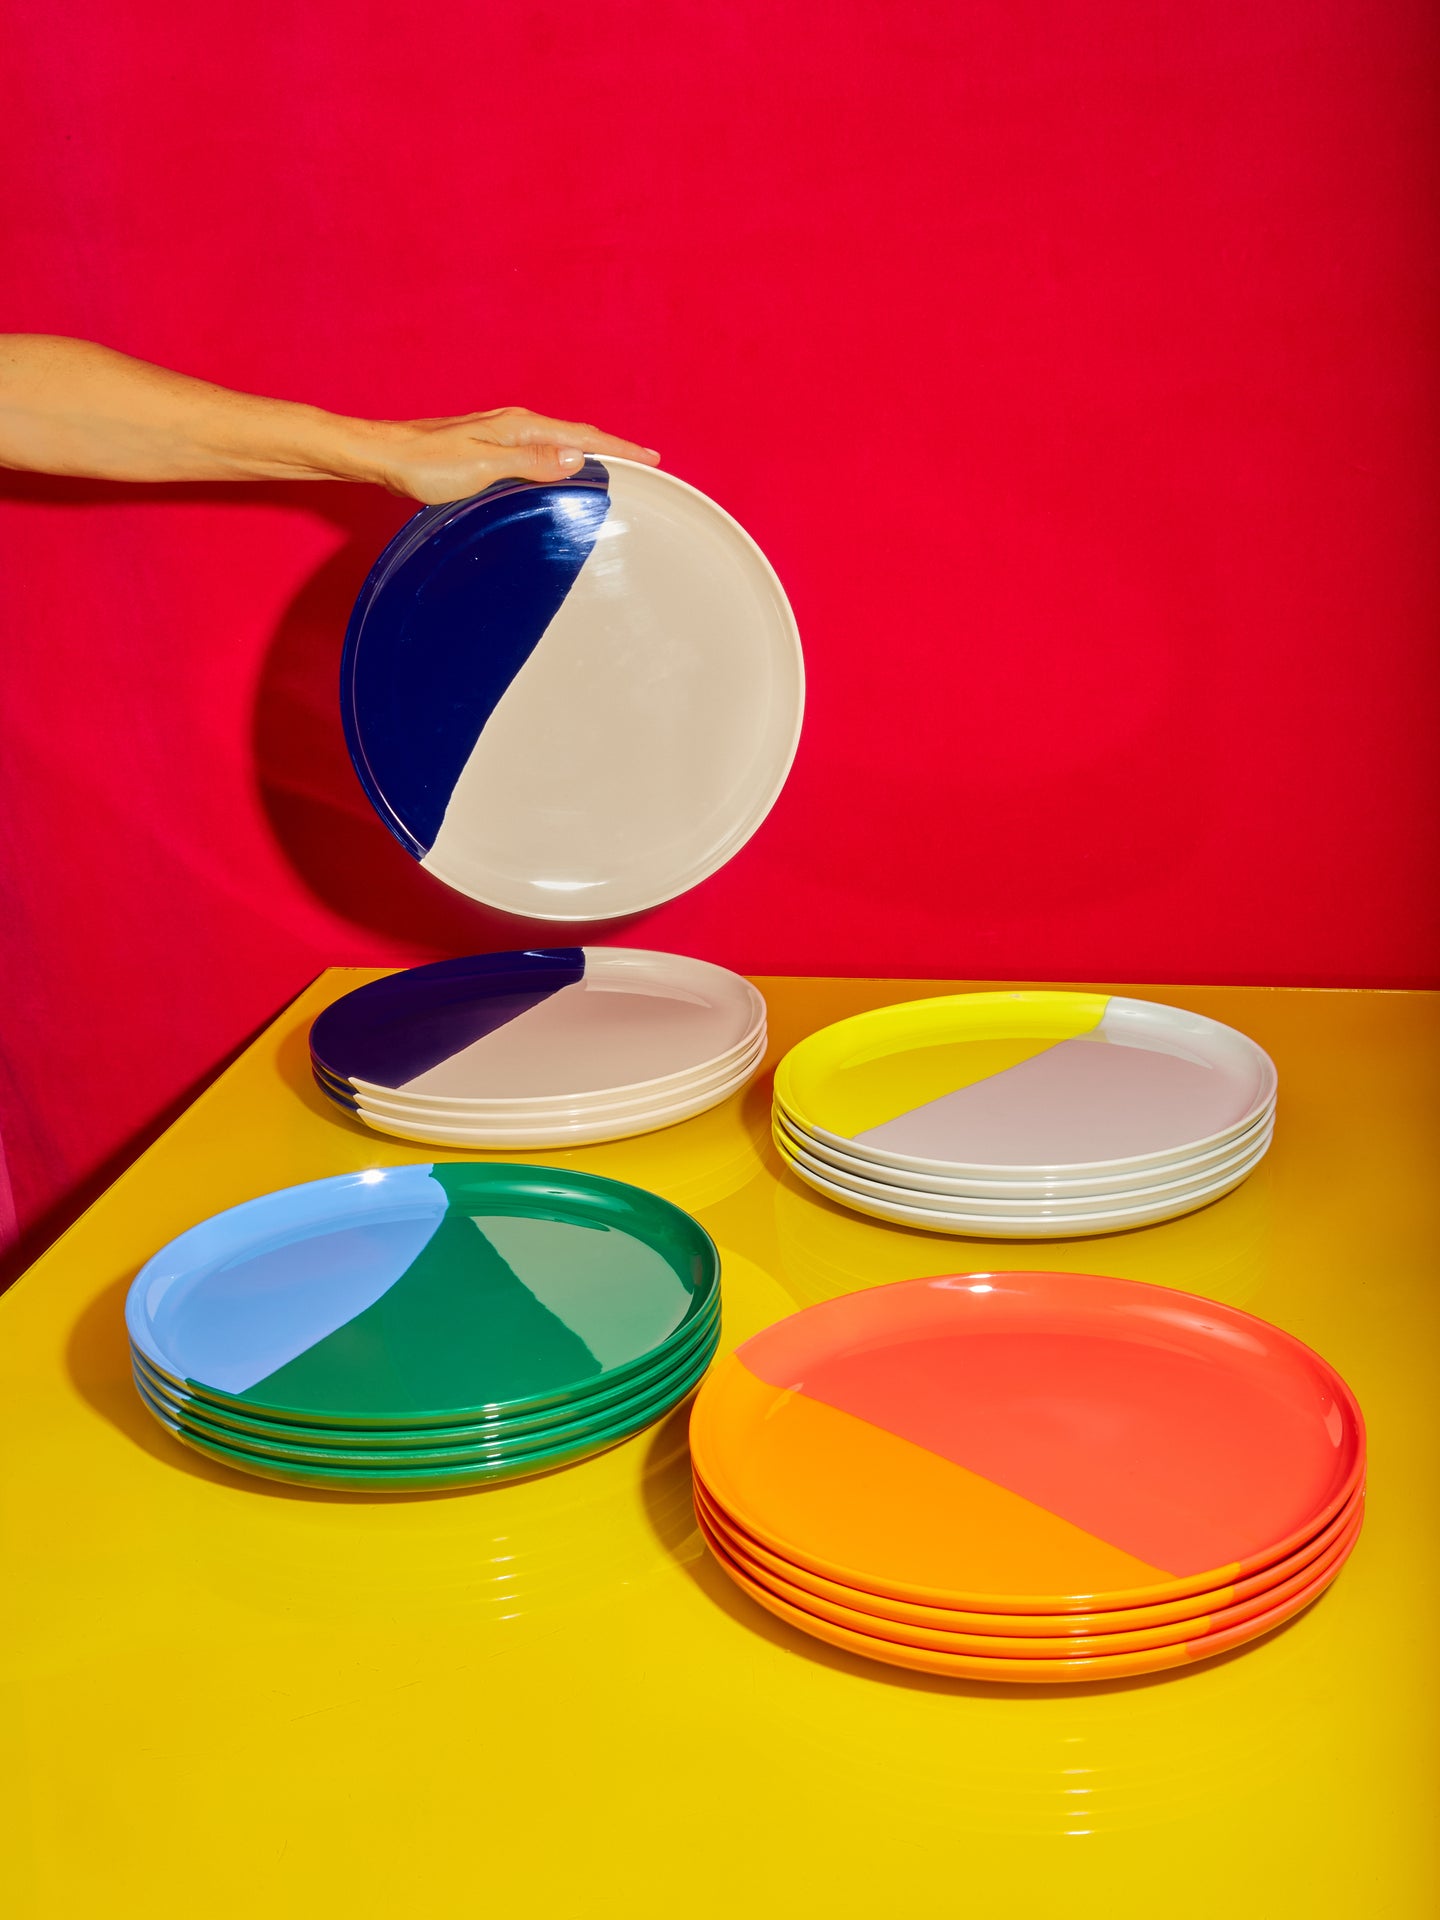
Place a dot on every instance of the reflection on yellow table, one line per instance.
(545, 1698)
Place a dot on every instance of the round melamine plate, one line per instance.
(577, 700)
(580, 1134)
(479, 1472)
(423, 1295)
(1021, 1671)
(1028, 1442)
(525, 1451)
(584, 1107)
(1025, 1083)
(247, 1429)
(1057, 1192)
(547, 1025)
(896, 1191)
(1050, 1223)
(990, 1640)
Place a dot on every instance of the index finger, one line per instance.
(541, 431)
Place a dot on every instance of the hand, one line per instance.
(439, 460)
(72, 407)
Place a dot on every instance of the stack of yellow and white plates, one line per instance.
(1025, 1115)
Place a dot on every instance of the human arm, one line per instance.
(71, 407)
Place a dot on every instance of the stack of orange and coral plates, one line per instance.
(1029, 1477)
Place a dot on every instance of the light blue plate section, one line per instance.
(280, 1273)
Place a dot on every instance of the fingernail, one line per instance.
(570, 457)
(654, 452)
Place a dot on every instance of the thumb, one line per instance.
(537, 463)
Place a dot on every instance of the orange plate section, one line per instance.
(1025, 1672)
(1030, 1647)
(790, 1469)
(1038, 1625)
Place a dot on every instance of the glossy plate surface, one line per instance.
(1025, 1672)
(1052, 1625)
(573, 701)
(545, 1024)
(1053, 1223)
(1028, 1442)
(894, 1188)
(423, 1294)
(1025, 1082)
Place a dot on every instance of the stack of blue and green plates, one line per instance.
(420, 1328)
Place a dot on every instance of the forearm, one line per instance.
(70, 407)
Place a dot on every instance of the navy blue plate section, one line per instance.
(393, 1029)
(452, 610)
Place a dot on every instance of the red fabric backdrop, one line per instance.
(1072, 359)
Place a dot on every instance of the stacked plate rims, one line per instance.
(1028, 1477)
(421, 1328)
(1025, 1115)
(550, 1047)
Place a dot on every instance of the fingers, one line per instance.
(451, 459)
(517, 426)
(459, 473)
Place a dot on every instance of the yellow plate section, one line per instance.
(875, 1066)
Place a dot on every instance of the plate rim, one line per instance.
(1019, 1189)
(1057, 1226)
(1030, 1671)
(1247, 1158)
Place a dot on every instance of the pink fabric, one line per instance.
(1073, 362)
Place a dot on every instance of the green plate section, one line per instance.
(247, 1428)
(338, 1450)
(538, 1286)
(442, 1479)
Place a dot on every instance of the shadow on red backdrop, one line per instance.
(330, 838)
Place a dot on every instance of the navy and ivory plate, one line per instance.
(576, 700)
(544, 1047)
(425, 1326)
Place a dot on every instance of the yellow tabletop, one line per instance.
(232, 1697)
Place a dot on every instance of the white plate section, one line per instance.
(651, 730)
(482, 1114)
(586, 1133)
(981, 1226)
